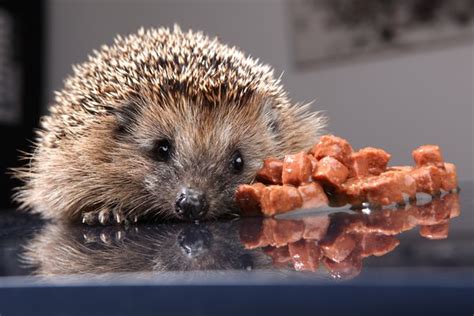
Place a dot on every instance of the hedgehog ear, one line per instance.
(271, 116)
(126, 115)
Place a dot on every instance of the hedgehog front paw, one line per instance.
(107, 235)
(104, 217)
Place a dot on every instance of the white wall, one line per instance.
(396, 102)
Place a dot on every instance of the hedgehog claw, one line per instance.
(89, 237)
(104, 216)
(89, 218)
(119, 235)
(105, 238)
(118, 216)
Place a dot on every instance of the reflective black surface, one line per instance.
(424, 244)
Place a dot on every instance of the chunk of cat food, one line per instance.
(248, 198)
(430, 213)
(333, 146)
(451, 202)
(402, 180)
(305, 255)
(346, 269)
(337, 249)
(353, 191)
(428, 179)
(280, 255)
(286, 231)
(428, 155)
(331, 171)
(359, 167)
(313, 195)
(369, 161)
(315, 227)
(378, 245)
(449, 181)
(271, 171)
(407, 184)
(437, 231)
(385, 222)
(277, 199)
(296, 169)
(389, 188)
(253, 235)
(271, 232)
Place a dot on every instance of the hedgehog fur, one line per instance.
(94, 155)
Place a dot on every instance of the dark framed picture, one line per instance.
(336, 30)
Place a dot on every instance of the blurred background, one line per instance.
(390, 74)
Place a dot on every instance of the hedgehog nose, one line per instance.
(191, 204)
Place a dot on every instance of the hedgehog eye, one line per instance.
(237, 162)
(162, 150)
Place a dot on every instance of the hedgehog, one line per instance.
(144, 248)
(161, 125)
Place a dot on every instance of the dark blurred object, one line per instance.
(387, 17)
(21, 40)
(327, 30)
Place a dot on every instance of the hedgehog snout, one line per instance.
(191, 204)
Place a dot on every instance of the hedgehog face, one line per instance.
(193, 156)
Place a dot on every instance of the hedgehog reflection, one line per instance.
(71, 249)
(334, 245)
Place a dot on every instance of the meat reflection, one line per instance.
(340, 241)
